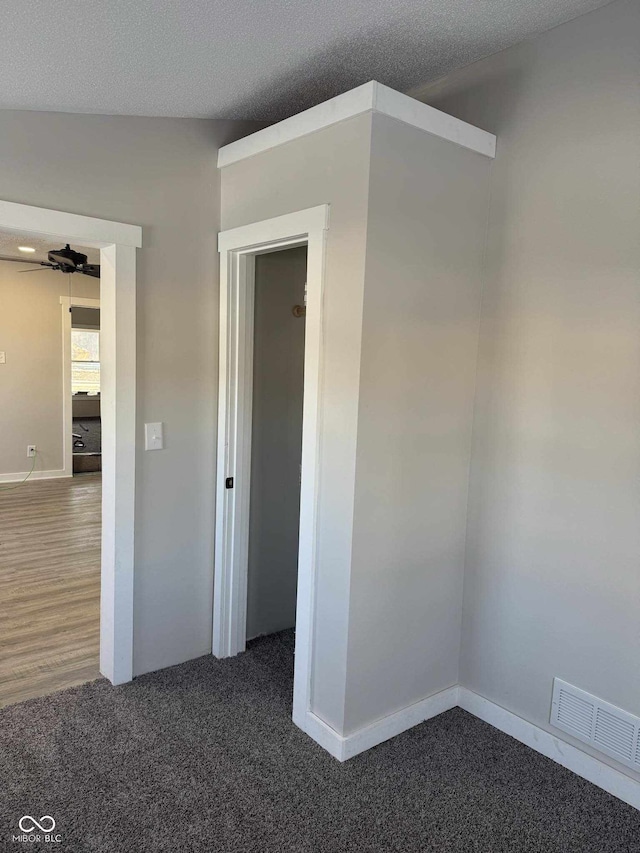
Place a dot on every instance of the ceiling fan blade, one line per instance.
(37, 269)
(91, 269)
(18, 260)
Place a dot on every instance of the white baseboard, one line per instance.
(581, 763)
(323, 734)
(347, 747)
(36, 475)
(399, 722)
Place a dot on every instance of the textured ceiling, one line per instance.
(9, 242)
(246, 59)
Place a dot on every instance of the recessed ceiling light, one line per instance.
(26, 249)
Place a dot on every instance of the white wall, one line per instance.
(330, 166)
(552, 583)
(276, 441)
(31, 379)
(160, 174)
(425, 237)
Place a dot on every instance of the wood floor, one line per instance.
(49, 586)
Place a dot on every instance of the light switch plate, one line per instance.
(3, 358)
(153, 436)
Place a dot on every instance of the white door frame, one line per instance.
(238, 248)
(67, 303)
(117, 242)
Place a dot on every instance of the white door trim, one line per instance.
(238, 248)
(117, 243)
(85, 230)
(66, 304)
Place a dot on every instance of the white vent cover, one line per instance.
(596, 722)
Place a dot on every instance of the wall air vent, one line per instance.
(596, 722)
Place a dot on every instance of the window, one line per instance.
(85, 361)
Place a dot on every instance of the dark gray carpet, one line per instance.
(204, 757)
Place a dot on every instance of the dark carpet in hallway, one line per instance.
(204, 757)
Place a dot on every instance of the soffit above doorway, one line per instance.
(371, 97)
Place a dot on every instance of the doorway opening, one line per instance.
(114, 244)
(276, 440)
(51, 526)
(254, 589)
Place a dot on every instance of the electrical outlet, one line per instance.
(31, 450)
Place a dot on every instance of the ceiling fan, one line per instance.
(65, 260)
